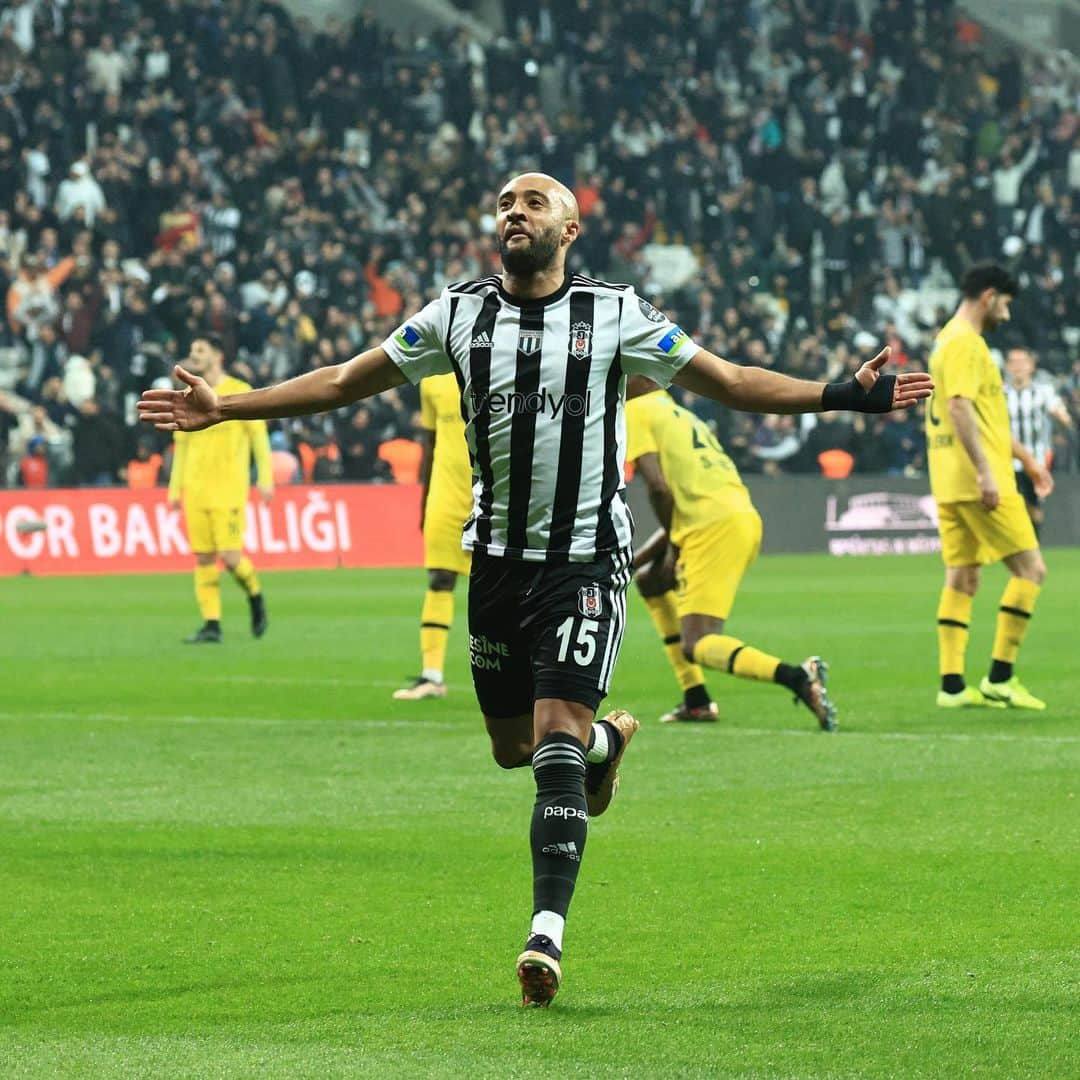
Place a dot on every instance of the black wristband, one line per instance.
(850, 396)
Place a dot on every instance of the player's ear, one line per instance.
(571, 231)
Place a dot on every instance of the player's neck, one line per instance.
(970, 314)
(534, 286)
(214, 378)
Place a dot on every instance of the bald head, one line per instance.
(536, 221)
(556, 193)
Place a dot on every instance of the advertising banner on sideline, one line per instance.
(115, 530)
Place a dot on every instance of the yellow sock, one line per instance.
(208, 592)
(1014, 616)
(953, 620)
(665, 616)
(435, 620)
(730, 654)
(246, 577)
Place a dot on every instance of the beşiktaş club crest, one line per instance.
(530, 341)
(590, 601)
(581, 340)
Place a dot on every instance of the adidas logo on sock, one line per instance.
(567, 851)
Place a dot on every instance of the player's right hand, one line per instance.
(988, 491)
(192, 409)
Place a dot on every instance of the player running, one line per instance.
(709, 537)
(981, 515)
(1033, 405)
(445, 505)
(540, 357)
(211, 473)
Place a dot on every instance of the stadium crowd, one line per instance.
(792, 183)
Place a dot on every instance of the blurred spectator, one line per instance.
(100, 446)
(34, 467)
(144, 469)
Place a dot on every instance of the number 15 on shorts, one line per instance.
(580, 646)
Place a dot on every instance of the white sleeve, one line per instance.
(650, 343)
(417, 346)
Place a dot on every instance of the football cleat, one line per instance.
(1012, 693)
(602, 777)
(421, 688)
(259, 621)
(968, 698)
(814, 693)
(205, 635)
(685, 714)
(539, 971)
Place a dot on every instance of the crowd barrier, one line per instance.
(114, 530)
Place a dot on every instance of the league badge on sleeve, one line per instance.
(408, 336)
(649, 311)
(590, 601)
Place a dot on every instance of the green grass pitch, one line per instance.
(249, 861)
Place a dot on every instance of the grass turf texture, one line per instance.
(248, 860)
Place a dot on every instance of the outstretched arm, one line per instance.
(327, 388)
(756, 389)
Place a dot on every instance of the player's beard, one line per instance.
(530, 259)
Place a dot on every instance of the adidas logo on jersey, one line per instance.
(481, 341)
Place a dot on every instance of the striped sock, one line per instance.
(1014, 617)
(435, 620)
(953, 620)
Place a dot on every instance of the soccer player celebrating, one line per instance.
(1032, 408)
(540, 357)
(704, 511)
(445, 505)
(981, 515)
(210, 475)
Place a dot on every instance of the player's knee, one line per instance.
(1034, 570)
(963, 579)
(441, 580)
(689, 643)
(510, 755)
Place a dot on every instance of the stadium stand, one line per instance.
(792, 182)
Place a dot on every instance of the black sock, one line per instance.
(1000, 671)
(696, 697)
(952, 684)
(560, 821)
(790, 675)
(213, 624)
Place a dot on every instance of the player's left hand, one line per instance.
(266, 494)
(1041, 480)
(907, 388)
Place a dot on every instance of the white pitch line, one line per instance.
(373, 722)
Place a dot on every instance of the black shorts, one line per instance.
(540, 630)
(1027, 489)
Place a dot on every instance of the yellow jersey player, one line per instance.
(707, 518)
(211, 474)
(445, 506)
(981, 515)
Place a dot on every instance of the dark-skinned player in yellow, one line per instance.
(689, 571)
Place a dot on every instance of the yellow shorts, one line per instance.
(712, 561)
(215, 530)
(442, 542)
(972, 535)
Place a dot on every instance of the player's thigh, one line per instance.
(712, 562)
(959, 542)
(498, 650)
(575, 618)
(227, 524)
(442, 543)
(1003, 531)
(200, 530)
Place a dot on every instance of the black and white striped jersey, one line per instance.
(542, 390)
(1029, 416)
